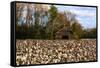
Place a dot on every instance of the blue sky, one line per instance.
(85, 15)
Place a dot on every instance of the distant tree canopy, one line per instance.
(43, 23)
(89, 33)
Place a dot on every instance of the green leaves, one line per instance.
(53, 12)
(77, 30)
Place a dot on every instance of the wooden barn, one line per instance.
(64, 33)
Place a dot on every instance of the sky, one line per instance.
(85, 15)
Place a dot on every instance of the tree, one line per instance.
(53, 12)
(52, 15)
(77, 30)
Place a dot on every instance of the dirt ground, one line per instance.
(32, 51)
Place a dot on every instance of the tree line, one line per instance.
(46, 24)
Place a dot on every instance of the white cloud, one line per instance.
(82, 11)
